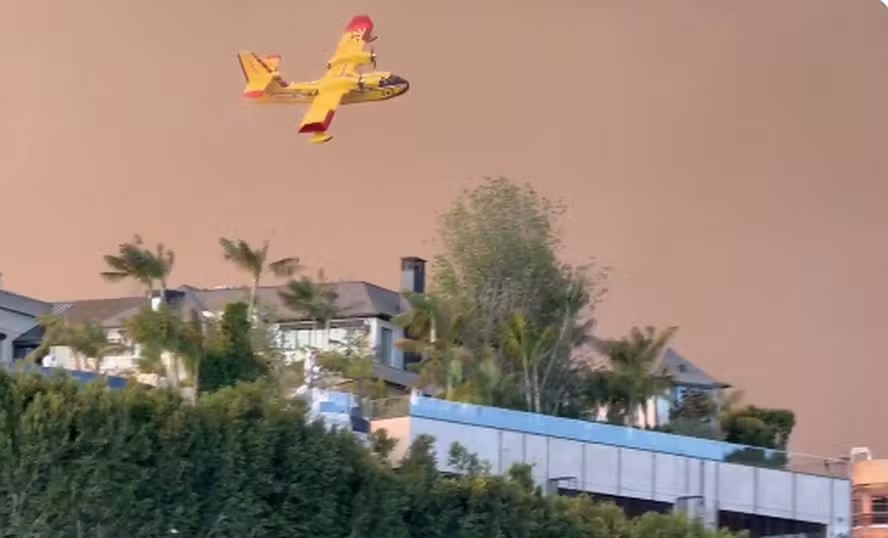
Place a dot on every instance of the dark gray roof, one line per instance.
(354, 299)
(684, 372)
(23, 305)
(106, 312)
(31, 337)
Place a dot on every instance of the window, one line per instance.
(288, 339)
(20, 352)
(879, 510)
(384, 347)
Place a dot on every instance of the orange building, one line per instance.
(869, 495)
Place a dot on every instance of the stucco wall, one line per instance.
(631, 463)
(397, 428)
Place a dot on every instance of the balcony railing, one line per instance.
(870, 519)
(398, 406)
(626, 437)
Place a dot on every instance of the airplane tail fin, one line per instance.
(258, 72)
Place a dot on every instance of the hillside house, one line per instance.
(364, 309)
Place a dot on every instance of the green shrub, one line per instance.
(90, 462)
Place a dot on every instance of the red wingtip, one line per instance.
(274, 56)
(318, 126)
(361, 23)
(253, 94)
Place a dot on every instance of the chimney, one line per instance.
(413, 274)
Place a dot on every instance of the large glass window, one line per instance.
(879, 510)
(384, 347)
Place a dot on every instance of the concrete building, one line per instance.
(640, 470)
(869, 482)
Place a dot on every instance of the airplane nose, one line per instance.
(395, 80)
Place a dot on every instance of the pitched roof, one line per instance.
(32, 336)
(23, 305)
(684, 372)
(354, 299)
(107, 312)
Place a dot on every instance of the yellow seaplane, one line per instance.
(341, 84)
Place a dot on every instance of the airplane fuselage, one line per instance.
(366, 88)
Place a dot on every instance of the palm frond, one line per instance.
(114, 276)
(285, 267)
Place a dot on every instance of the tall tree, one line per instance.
(254, 262)
(134, 261)
(499, 256)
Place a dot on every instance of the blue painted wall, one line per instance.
(575, 430)
(114, 382)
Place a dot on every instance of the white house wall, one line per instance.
(293, 341)
(646, 471)
(297, 341)
(396, 355)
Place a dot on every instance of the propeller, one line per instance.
(373, 56)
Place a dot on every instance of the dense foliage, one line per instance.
(504, 314)
(239, 462)
(507, 323)
(230, 357)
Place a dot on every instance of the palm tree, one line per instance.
(86, 340)
(89, 341)
(169, 344)
(54, 334)
(164, 259)
(434, 328)
(635, 374)
(314, 299)
(135, 262)
(530, 346)
(255, 263)
(421, 317)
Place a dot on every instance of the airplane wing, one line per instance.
(358, 32)
(320, 114)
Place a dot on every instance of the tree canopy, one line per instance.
(504, 314)
(78, 462)
(507, 322)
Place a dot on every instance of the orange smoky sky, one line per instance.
(726, 159)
